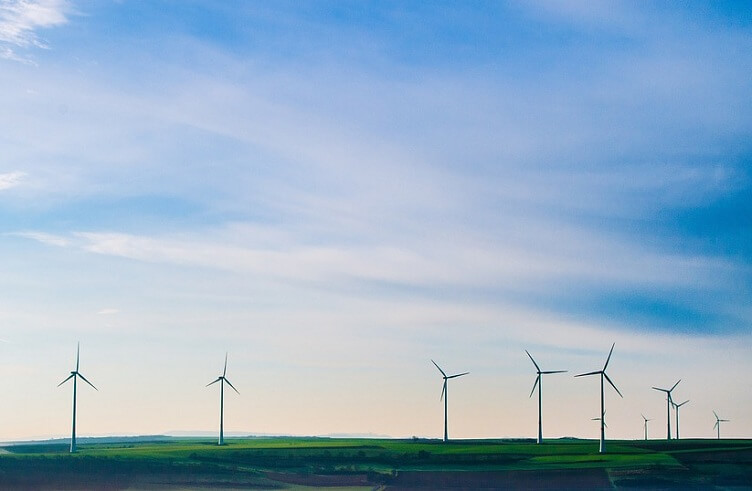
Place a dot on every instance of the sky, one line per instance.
(336, 193)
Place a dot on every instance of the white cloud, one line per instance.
(11, 179)
(43, 237)
(108, 312)
(529, 263)
(20, 19)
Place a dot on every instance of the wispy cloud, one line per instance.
(11, 179)
(541, 258)
(556, 176)
(43, 237)
(21, 19)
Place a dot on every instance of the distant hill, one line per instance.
(94, 439)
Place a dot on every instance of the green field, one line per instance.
(285, 463)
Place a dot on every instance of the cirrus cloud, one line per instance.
(20, 19)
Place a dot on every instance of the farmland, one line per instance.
(295, 463)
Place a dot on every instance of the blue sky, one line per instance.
(347, 189)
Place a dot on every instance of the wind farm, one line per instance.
(360, 199)
(284, 461)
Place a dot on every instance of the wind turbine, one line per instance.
(600, 419)
(676, 411)
(445, 395)
(603, 375)
(538, 382)
(646, 425)
(74, 375)
(718, 422)
(668, 407)
(222, 379)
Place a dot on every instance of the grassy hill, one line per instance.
(279, 463)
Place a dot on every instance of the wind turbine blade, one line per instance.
(84, 379)
(554, 371)
(724, 420)
(715, 414)
(531, 359)
(609, 357)
(677, 383)
(443, 389)
(210, 383)
(589, 373)
(458, 375)
(224, 372)
(716, 424)
(437, 366)
(612, 384)
(662, 390)
(69, 377)
(233, 388)
(683, 403)
(643, 417)
(78, 351)
(535, 385)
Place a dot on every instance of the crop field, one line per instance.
(298, 463)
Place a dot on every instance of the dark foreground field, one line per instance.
(296, 463)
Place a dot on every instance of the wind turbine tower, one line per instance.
(718, 422)
(75, 374)
(222, 379)
(676, 411)
(445, 395)
(538, 382)
(668, 407)
(603, 375)
(646, 425)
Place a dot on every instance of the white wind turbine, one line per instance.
(539, 382)
(603, 375)
(74, 375)
(676, 412)
(718, 422)
(445, 395)
(646, 425)
(668, 407)
(222, 379)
